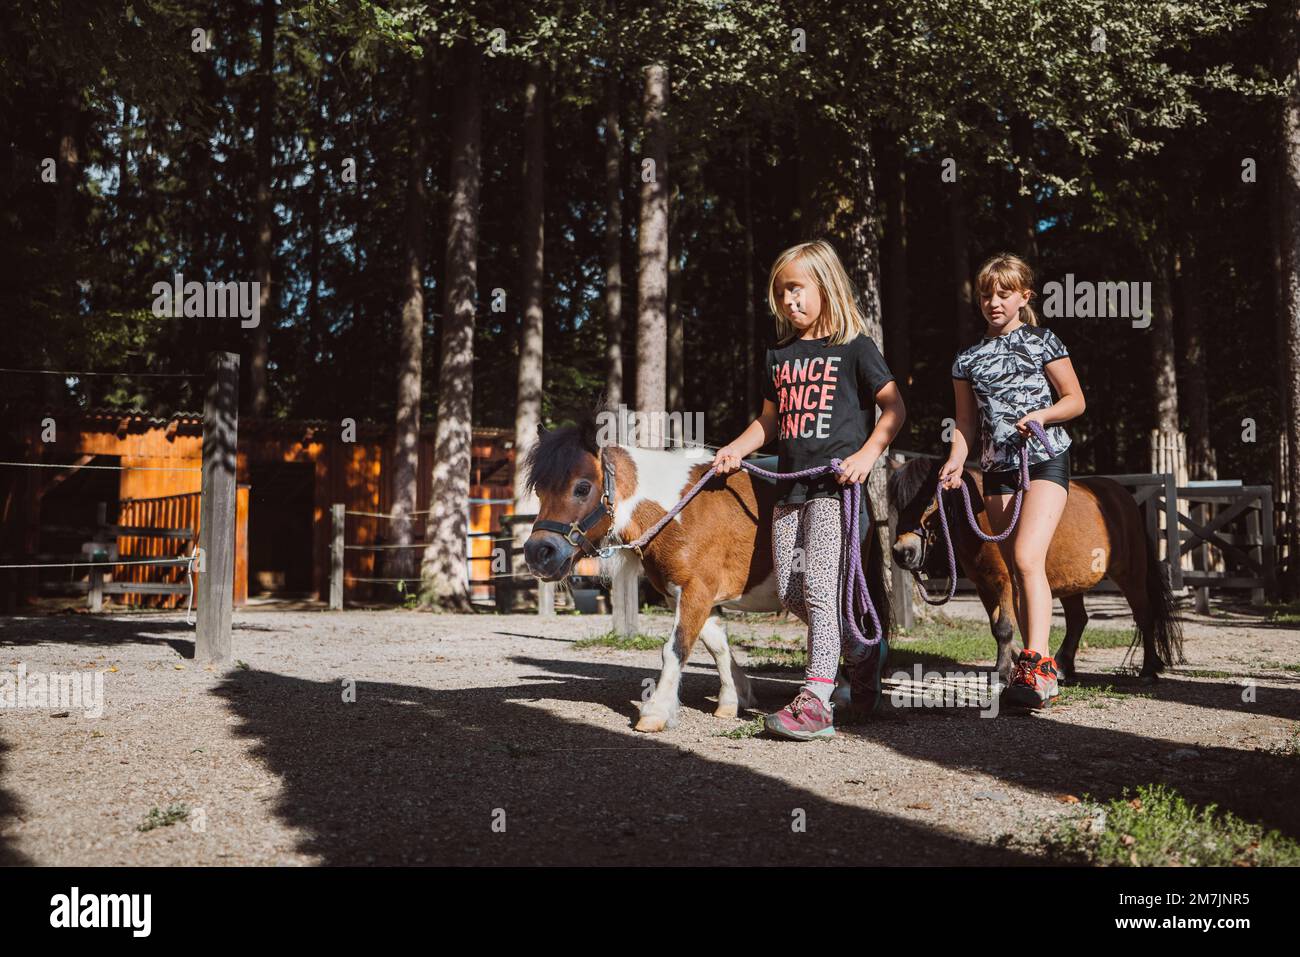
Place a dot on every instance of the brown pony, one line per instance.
(1100, 535)
(717, 552)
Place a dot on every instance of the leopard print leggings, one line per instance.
(807, 541)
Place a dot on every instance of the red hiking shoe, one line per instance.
(1035, 682)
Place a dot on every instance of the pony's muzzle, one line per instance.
(908, 550)
(548, 556)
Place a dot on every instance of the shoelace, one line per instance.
(1024, 672)
(800, 702)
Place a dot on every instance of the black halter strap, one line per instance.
(575, 533)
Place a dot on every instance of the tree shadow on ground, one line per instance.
(9, 810)
(414, 775)
(99, 630)
(1049, 754)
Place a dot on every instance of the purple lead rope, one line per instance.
(1041, 435)
(857, 600)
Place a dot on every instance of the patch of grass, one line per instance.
(1203, 673)
(611, 639)
(1281, 666)
(1159, 828)
(157, 818)
(939, 642)
(776, 657)
(747, 730)
(1095, 696)
(1284, 614)
(948, 641)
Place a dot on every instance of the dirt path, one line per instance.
(461, 723)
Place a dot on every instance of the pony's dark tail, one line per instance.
(1168, 632)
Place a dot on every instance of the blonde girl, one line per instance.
(821, 386)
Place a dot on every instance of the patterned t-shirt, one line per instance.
(1006, 374)
(825, 399)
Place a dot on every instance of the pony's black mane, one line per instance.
(558, 454)
(917, 477)
(905, 482)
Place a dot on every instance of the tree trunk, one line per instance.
(66, 232)
(676, 357)
(445, 580)
(528, 411)
(316, 331)
(259, 394)
(613, 245)
(864, 262)
(652, 268)
(1200, 451)
(1022, 144)
(864, 267)
(959, 234)
(403, 561)
(1290, 151)
(749, 334)
(1163, 352)
(896, 312)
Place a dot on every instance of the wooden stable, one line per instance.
(289, 474)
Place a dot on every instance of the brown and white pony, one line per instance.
(1100, 535)
(717, 552)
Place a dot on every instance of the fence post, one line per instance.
(95, 597)
(1268, 545)
(1173, 534)
(338, 512)
(623, 596)
(545, 598)
(217, 510)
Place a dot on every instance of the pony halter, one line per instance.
(575, 533)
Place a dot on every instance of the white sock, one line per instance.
(822, 689)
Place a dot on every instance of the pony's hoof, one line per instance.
(1148, 679)
(727, 711)
(651, 723)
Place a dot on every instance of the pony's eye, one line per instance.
(582, 489)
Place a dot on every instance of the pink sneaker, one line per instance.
(803, 719)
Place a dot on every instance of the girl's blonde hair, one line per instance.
(839, 301)
(1010, 272)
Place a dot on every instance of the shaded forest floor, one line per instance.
(501, 740)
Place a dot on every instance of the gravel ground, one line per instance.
(492, 740)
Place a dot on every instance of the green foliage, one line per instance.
(168, 168)
(609, 639)
(1159, 828)
(175, 813)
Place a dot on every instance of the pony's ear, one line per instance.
(587, 434)
(541, 429)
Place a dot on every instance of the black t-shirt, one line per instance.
(825, 400)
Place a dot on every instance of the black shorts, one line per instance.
(1007, 482)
